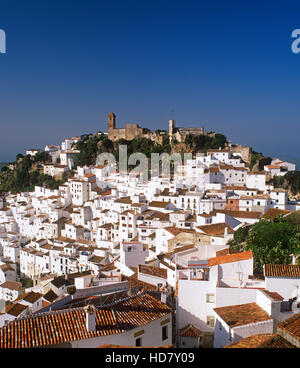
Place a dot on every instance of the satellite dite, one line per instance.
(2, 42)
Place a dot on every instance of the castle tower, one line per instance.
(111, 122)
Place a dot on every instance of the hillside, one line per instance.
(290, 181)
(2, 164)
(25, 173)
(92, 145)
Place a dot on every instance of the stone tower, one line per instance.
(111, 122)
(171, 128)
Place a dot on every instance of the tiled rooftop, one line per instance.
(242, 314)
(54, 328)
(236, 257)
(153, 271)
(262, 341)
(190, 331)
(291, 326)
(281, 270)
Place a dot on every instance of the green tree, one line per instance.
(42, 157)
(273, 241)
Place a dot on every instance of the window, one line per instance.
(138, 342)
(210, 321)
(164, 333)
(210, 298)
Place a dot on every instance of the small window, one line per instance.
(210, 298)
(164, 333)
(138, 342)
(210, 321)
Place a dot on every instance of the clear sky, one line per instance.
(226, 65)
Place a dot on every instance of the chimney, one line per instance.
(90, 312)
(293, 259)
(164, 294)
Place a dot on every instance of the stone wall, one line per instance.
(245, 151)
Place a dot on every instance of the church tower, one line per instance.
(171, 128)
(111, 123)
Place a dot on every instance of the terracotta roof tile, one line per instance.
(273, 212)
(291, 326)
(190, 331)
(153, 271)
(242, 314)
(215, 229)
(281, 270)
(228, 258)
(15, 309)
(175, 230)
(59, 327)
(262, 341)
(12, 285)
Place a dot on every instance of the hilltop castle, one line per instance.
(132, 131)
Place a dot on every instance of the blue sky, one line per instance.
(224, 65)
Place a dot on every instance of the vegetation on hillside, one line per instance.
(271, 241)
(201, 143)
(26, 174)
(259, 160)
(290, 181)
(91, 146)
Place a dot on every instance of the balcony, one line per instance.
(194, 275)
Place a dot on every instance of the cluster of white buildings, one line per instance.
(168, 235)
(62, 157)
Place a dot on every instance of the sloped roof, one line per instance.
(30, 297)
(262, 341)
(190, 331)
(12, 285)
(239, 214)
(216, 229)
(175, 230)
(153, 271)
(50, 296)
(242, 314)
(228, 258)
(60, 327)
(291, 326)
(15, 309)
(281, 270)
(273, 212)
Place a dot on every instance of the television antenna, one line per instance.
(172, 114)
